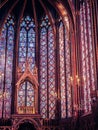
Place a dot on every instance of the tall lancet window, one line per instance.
(47, 70)
(65, 72)
(27, 43)
(6, 66)
(87, 54)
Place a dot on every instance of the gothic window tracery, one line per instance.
(47, 70)
(6, 66)
(48, 59)
(27, 43)
(87, 54)
(65, 72)
(26, 98)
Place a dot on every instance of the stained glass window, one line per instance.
(6, 65)
(68, 75)
(51, 72)
(26, 97)
(65, 72)
(62, 70)
(43, 72)
(27, 43)
(47, 70)
(87, 55)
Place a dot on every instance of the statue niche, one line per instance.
(27, 93)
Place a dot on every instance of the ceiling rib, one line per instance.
(3, 3)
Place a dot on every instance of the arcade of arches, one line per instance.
(48, 65)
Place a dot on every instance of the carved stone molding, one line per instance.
(35, 120)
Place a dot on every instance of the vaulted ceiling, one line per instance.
(35, 8)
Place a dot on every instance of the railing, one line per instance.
(26, 110)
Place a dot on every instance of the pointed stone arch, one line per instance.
(35, 120)
(32, 78)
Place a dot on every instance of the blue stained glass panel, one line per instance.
(6, 43)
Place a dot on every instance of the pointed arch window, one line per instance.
(6, 66)
(65, 72)
(27, 43)
(87, 54)
(47, 70)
